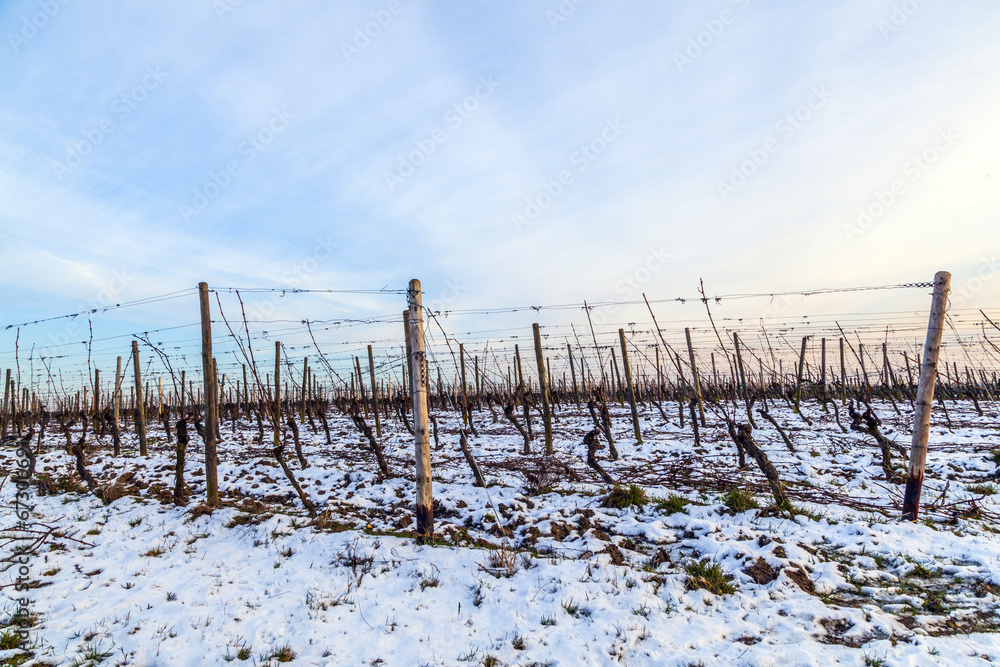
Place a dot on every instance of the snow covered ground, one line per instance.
(533, 569)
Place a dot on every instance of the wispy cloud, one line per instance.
(370, 85)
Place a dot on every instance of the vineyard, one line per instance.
(699, 491)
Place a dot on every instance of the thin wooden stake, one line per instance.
(925, 397)
(140, 409)
(421, 423)
(543, 389)
(211, 392)
(631, 388)
(371, 370)
(696, 381)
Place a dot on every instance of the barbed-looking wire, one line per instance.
(643, 335)
(474, 311)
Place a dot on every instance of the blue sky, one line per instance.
(145, 147)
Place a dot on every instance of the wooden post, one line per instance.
(211, 392)
(371, 370)
(572, 372)
(479, 383)
(543, 389)
(421, 423)
(118, 406)
(97, 391)
(522, 392)
(465, 396)
(245, 409)
(277, 394)
(183, 395)
(798, 375)
(822, 371)
(743, 379)
(659, 377)
(925, 397)
(305, 389)
(843, 375)
(361, 385)
(6, 406)
(694, 372)
(140, 410)
(864, 371)
(631, 388)
(616, 378)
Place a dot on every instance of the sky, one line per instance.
(506, 154)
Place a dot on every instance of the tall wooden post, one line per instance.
(572, 372)
(659, 376)
(479, 383)
(277, 394)
(305, 389)
(543, 389)
(521, 393)
(245, 409)
(211, 392)
(361, 385)
(371, 370)
(631, 387)
(6, 406)
(421, 423)
(798, 374)
(843, 375)
(616, 379)
(822, 371)
(864, 371)
(925, 397)
(118, 406)
(695, 380)
(183, 397)
(97, 390)
(741, 372)
(465, 396)
(140, 407)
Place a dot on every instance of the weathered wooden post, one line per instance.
(277, 393)
(572, 372)
(6, 406)
(421, 422)
(305, 389)
(245, 409)
(211, 392)
(361, 385)
(371, 370)
(97, 391)
(925, 397)
(864, 372)
(140, 408)
(695, 379)
(522, 391)
(822, 371)
(466, 417)
(843, 375)
(543, 389)
(183, 405)
(741, 372)
(116, 434)
(798, 375)
(631, 388)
